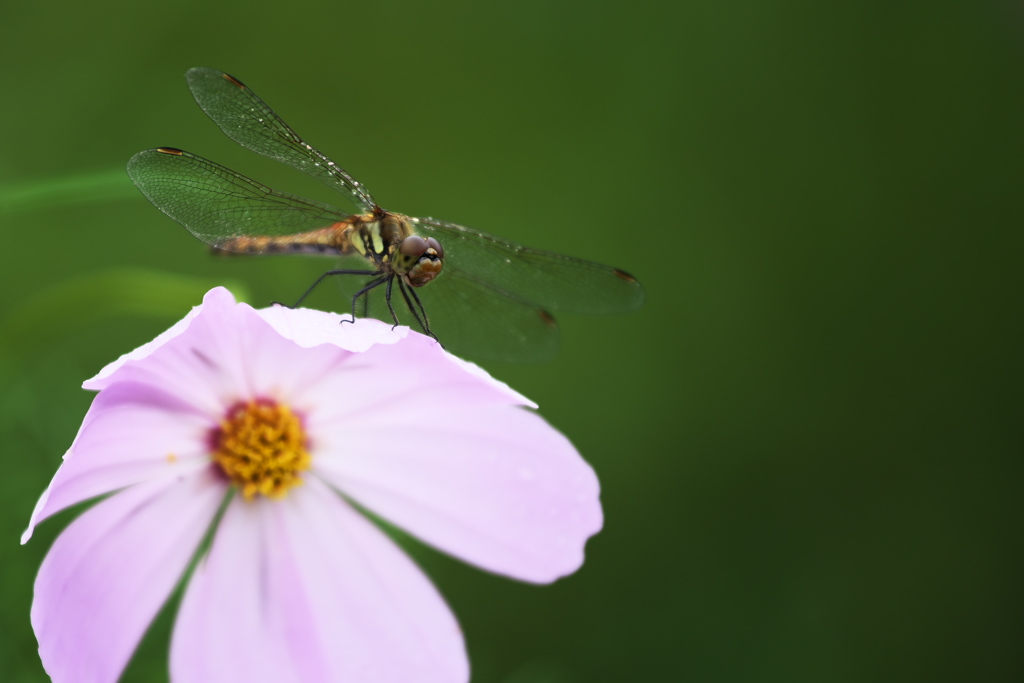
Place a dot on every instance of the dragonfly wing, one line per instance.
(218, 205)
(470, 316)
(247, 120)
(466, 314)
(542, 278)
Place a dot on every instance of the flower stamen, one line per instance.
(261, 447)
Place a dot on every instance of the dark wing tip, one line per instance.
(547, 318)
(198, 73)
(635, 296)
(233, 81)
(624, 275)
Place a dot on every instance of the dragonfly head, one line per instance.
(418, 260)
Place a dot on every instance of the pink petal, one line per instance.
(225, 352)
(449, 455)
(368, 383)
(218, 297)
(132, 433)
(309, 328)
(481, 374)
(493, 485)
(109, 572)
(306, 590)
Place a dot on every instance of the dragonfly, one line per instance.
(477, 294)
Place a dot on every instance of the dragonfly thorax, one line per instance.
(389, 241)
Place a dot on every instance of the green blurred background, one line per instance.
(809, 439)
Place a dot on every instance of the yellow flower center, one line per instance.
(261, 448)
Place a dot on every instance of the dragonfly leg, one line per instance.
(421, 315)
(426, 321)
(364, 291)
(387, 297)
(408, 302)
(328, 274)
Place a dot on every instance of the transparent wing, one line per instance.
(218, 205)
(542, 278)
(471, 317)
(247, 120)
(468, 316)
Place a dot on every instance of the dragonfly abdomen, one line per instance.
(334, 239)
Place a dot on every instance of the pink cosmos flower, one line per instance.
(299, 417)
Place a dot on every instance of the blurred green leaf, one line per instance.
(538, 671)
(96, 186)
(92, 297)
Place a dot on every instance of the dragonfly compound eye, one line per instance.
(413, 246)
(436, 246)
